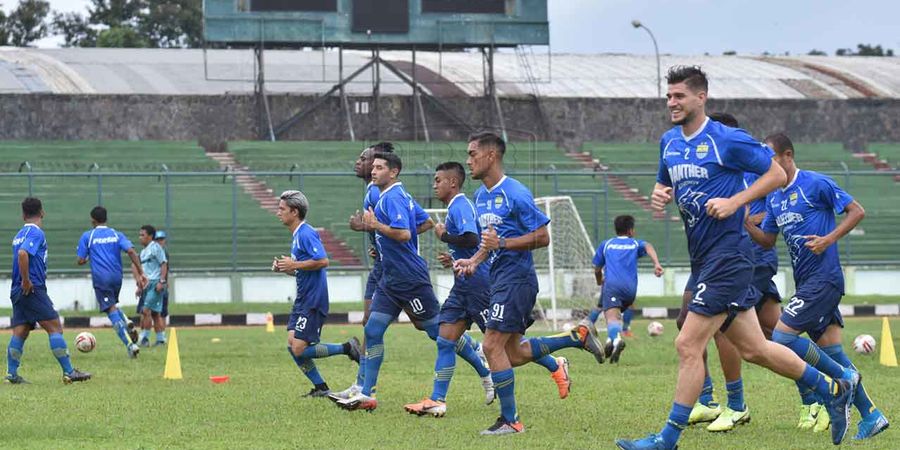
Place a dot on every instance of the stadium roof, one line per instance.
(183, 72)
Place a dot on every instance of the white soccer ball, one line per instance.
(85, 342)
(864, 344)
(655, 329)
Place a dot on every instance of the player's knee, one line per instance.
(298, 346)
(687, 348)
(755, 354)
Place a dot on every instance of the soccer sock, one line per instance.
(817, 382)
(594, 315)
(612, 329)
(145, 334)
(122, 316)
(807, 395)
(505, 387)
(547, 361)
(465, 348)
(861, 398)
(432, 327)
(323, 350)
(811, 353)
(626, 319)
(444, 366)
(706, 395)
(361, 371)
(678, 419)
(61, 352)
(14, 354)
(308, 367)
(545, 345)
(736, 395)
(160, 336)
(119, 325)
(375, 328)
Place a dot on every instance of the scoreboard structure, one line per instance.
(416, 25)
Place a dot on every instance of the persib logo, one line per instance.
(702, 150)
(793, 198)
(498, 200)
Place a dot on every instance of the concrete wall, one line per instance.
(222, 118)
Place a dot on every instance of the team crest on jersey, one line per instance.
(702, 150)
(498, 200)
(793, 198)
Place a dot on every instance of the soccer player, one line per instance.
(512, 226)
(307, 263)
(156, 268)
(101, 246)
(618, 258)
(30, 303)
(701, 167)
(161, 238)
(804, 212)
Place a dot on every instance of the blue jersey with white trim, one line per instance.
(312, 285)
(509, 207)
(764, 256)
(403, 267)
(103, 247)
(807, 206)
(709, 164)
(31, 239)
(619, 256)
(461, 219)
(373, 194)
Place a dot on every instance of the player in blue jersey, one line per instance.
(307, 264)
(30, 303)
(615, 267)
(804, 212)
(156, 268)
(405, 284)
(701, 168)
(511, 227)
(102, 246)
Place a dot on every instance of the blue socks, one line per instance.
(817, 382)
(861, 398)
(594, 315)
(308, 367)
(14, 354)
(678, 419)
(706, 395)
(322, 350)
(736, 395)
(626, 319)
(545, 345)
(547, 361)
(361, 372)
(444, 366)
(505, 387)
(613, 329)
(465, 348)
(807, 395)
(811, 353)
(374, 329)
(160, 336)
(61, 352)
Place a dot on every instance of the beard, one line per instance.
(685, 118)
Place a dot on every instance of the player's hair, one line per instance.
(780, 143)
(382, 147)
(150, 230)
(725, 119)
(31, 207)
(296, 200)
(393, 161)
(99, 214)
(456, 168)
(624, 224)
(489, 139)
(692, 76)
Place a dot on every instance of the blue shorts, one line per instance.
(611, 298)
(763, 281)
(32, 308)
(813, 308)
(472, 307)
(372, 281)
(306, 324)
(511, 306)
(107, 297)
(151, 299)
(721, 284)
(419, 302)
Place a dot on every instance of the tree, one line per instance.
(173, 23)
(121, 37)
(75, 30)
(865, 50)
(4, 35)
(27, 23)
(816, 52)
(152, 23)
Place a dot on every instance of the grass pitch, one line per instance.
(129, 405)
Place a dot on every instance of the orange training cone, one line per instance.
(270, 323)
(173, 360)
(888, 356)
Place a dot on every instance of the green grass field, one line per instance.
(129, 405)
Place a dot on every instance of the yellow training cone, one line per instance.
(173, 361)
(888, 356)
(270, 323)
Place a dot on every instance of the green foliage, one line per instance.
(865, 50)
(134, 23)
(27, 23)
(816, 52)
(121, 37)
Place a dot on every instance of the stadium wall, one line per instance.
(574, 120)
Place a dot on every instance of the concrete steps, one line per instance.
(616, 183)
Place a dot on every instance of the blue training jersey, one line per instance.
(403, 267)
(509, 207)
(710, 164)
(103, 246)
(371, 199)
(312, 285)
(807, 206)
(763, 256)
(31, 239)
(462, 219)
(619, 256)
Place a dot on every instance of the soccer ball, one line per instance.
(864, 344)
(655, 329)
(85, 342)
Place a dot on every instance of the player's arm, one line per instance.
(425, 226)
(82, 251)
(24, 259)
(357, 223)
(598, 275)
(397, 234)
(651, 252)
(81, 261)
(722, 208)
(465, 240)
(661, 196)
(765, 240)
(137, 271)
(307, 265)
(163, 273)
(855, 215)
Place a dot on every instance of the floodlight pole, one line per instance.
(637, 24)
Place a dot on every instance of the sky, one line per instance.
(693, 27)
